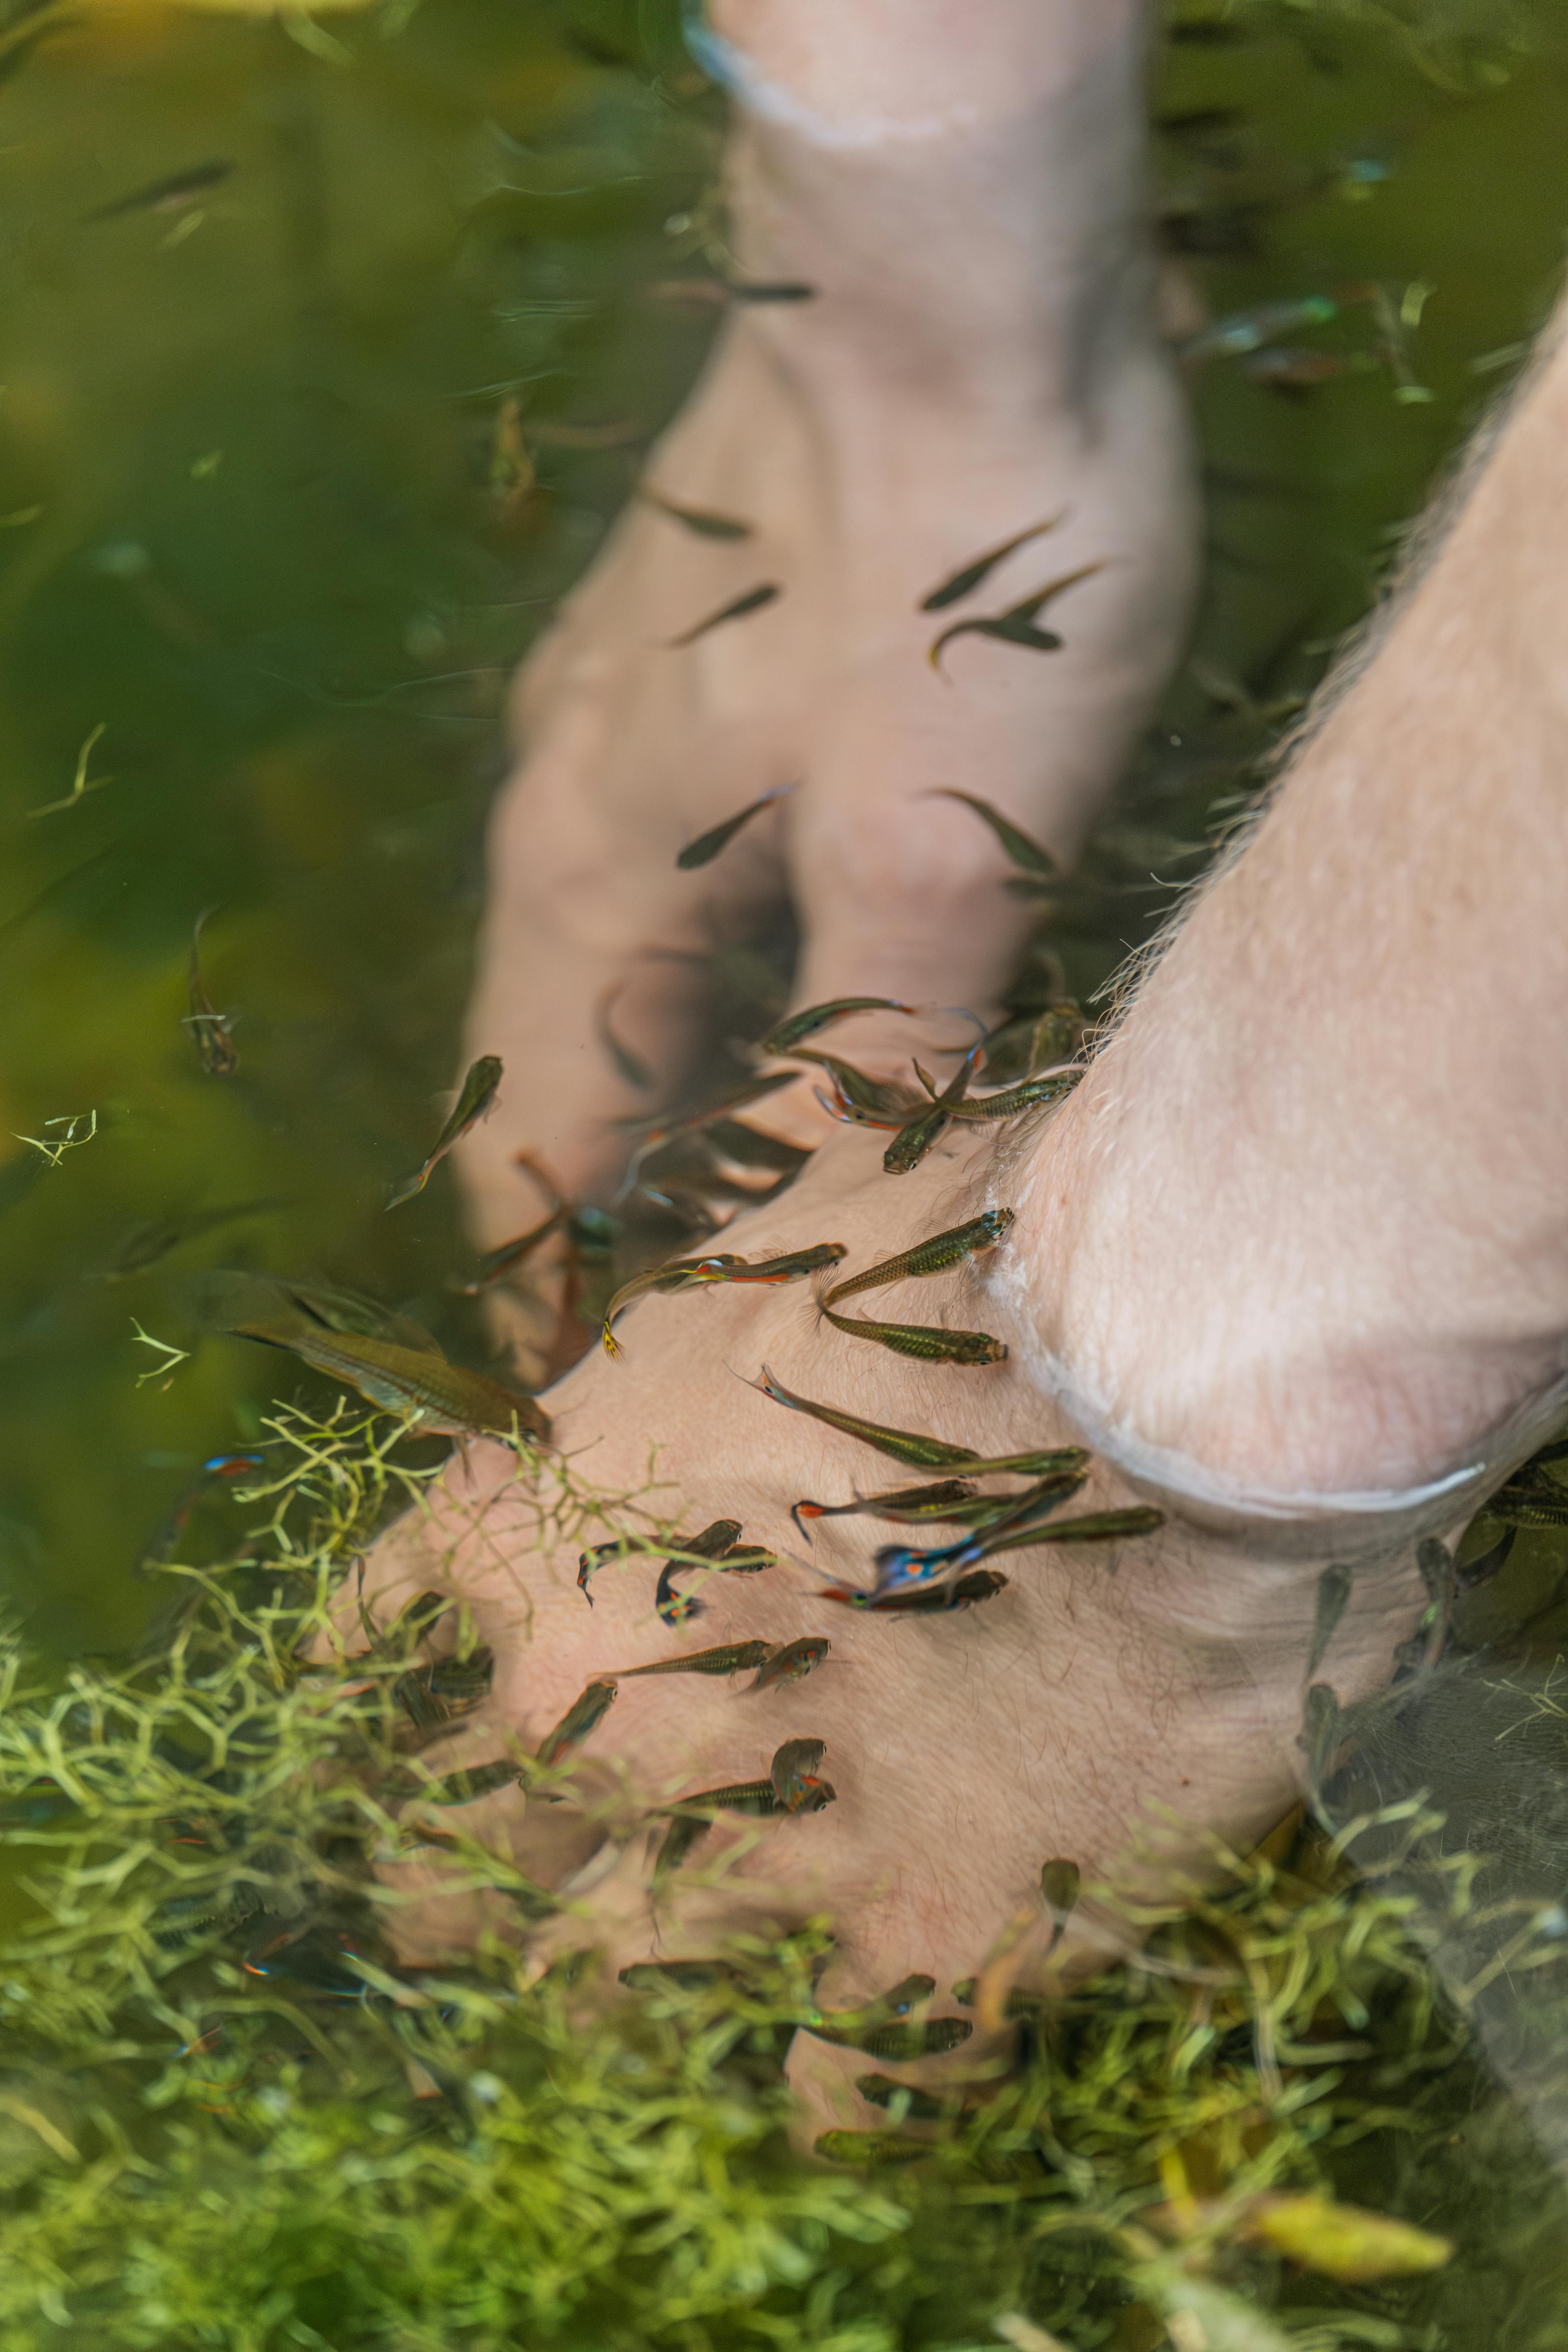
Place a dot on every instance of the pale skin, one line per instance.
(1296, 1247)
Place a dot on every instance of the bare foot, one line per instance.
(980, 357)
(1101, 1693)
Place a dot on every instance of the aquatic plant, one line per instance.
(229, 2118)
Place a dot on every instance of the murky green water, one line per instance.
(264, 538)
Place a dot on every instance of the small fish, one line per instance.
(869, 2146)
(496, 1263)
(1321, 1732)
(911, 1143)
(707, 1546)
(962, 584)
(1240, 331)
(979, 1110)
(752, 601)
(731, 1658)
(804, 1024)
(946, 1498)
(929, 1343)
(150, 1239)
(706, 845)
(685, 1976)
(898, 1564)
(934, 1255)
(902, 1445)
(898, 2041)
(1333, 1593)
(880, 2091)
(686, 1273)
(869, 1102)
(636, 1073)
(1022, 852)
(170, 195)
(668, 1130)
(1528, 1499)
(439, 1398)
(210, 1030)
(475, 1102)
(258, 1298)
(793, 1775)
(1059, 1883)
(923, 1599)
(702, 521)
(1200, 122)
(698, 1811)
(738, 1560)
(462, 1788)
(790, 1664)
(1045, 1465)
(510, 477)
(770, 289)
(590, 1706)
(1018, 624)
(226, 1468)
(1094, 1527)
(676, 1274)
(447, 1688)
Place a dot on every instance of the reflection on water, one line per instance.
(326, 361)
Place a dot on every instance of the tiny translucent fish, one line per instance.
(438, 1397)
(1320, 1730)
(929, 1343)
(1346, 2242)
(1093, 1528)
(1529, 1499)
(736, 1560)
(903, 1445)
(865, 1101)
(1288, 369)
(706, 845)
(934, 1255)
(629, 1066)
(731, 1658)
(752, 601)
(883, 2090)
(911, 1143)
(1247, 331)
(923, 1599)
(897, 2040)
(149, 1240)
(1024, 853)
(464, 1787)
(496, 1263)
(1011, 1102)
(474, 1102)
(686, 1273)
(1333, 1592)
(801, 1025)
(1020, 624)
(210, 1030)
(660, 1130)
(795, 1776)
(589, 1708)
(946, 1498)
(169, 194)
(701, 520)
(901, 1564)
(973, 574)
(791, 1664)
(868, 2147)
(685, 1976)
(1058, 1892)
(697, 1813)
(707, 1546)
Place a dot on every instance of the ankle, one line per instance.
(992, 257)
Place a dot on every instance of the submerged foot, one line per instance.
(980, 357)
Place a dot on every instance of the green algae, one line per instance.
(229, 2118)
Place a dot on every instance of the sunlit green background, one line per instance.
(249, 528)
